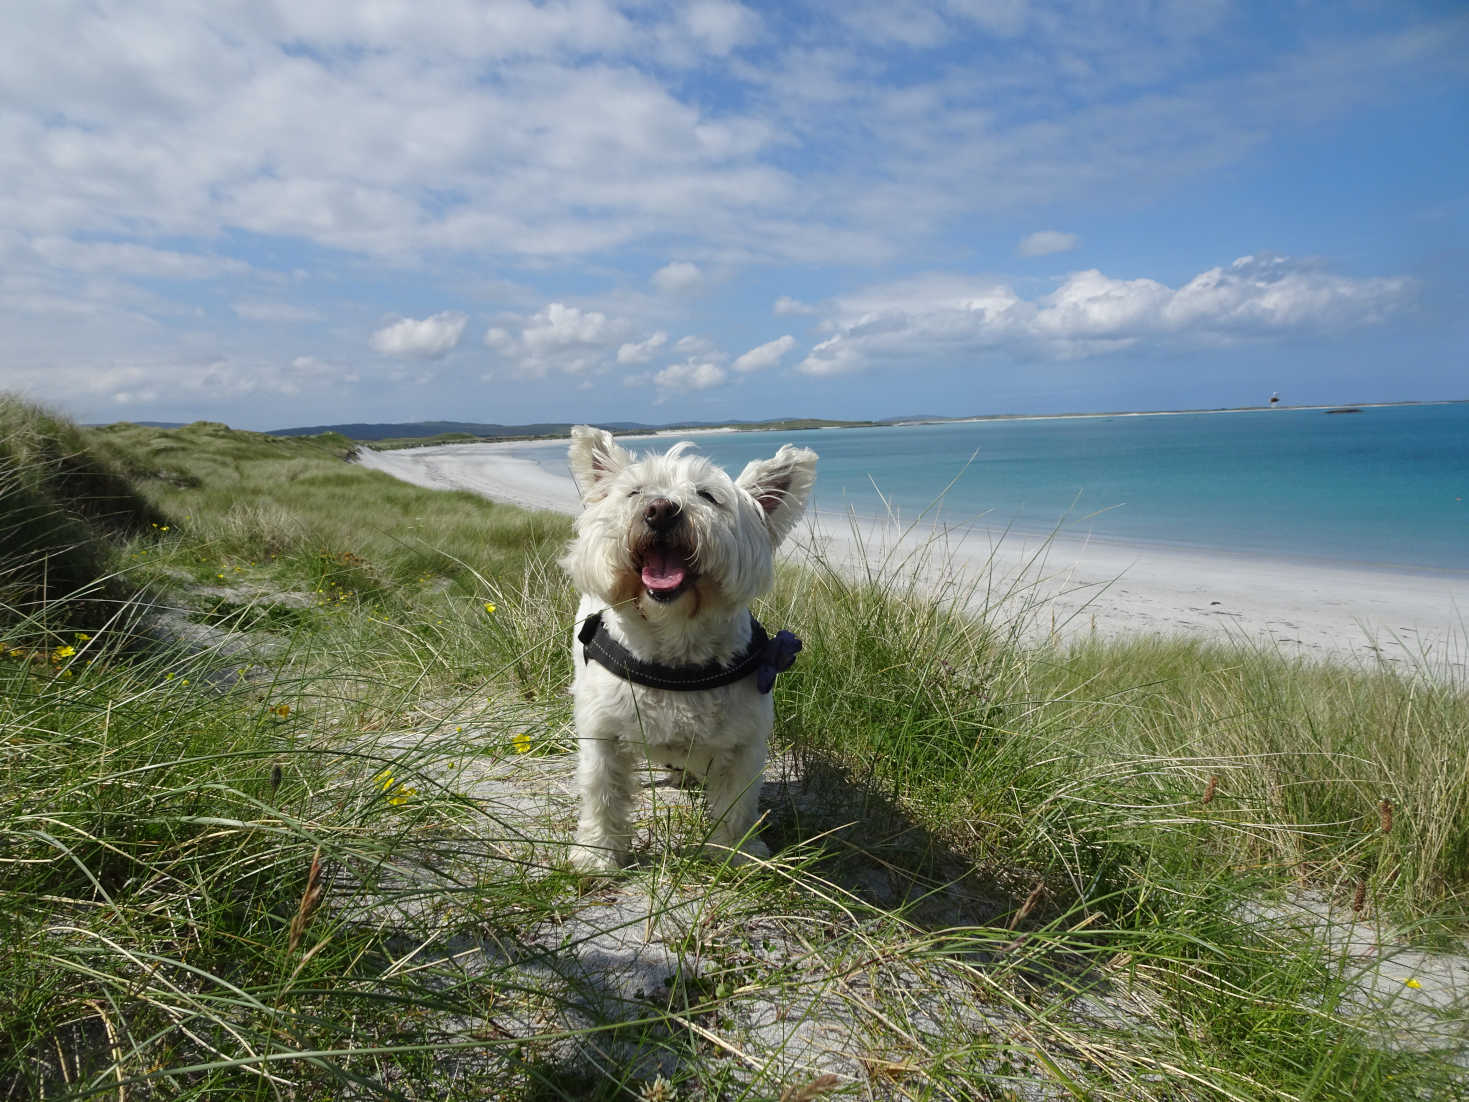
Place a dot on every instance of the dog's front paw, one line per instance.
(594, 860)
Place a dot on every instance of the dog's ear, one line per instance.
(595, 459)
(780, 486)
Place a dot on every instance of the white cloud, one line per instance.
(1089, 304)
(565, 339)
(694, 347)
(560, 327)
(196, 383)
(679, 277)
(276, 312)
(941, 319)
(429, 339)
(1046, 242)
(133, 259)
(719, 25)
(766, 355)
(307, 373)
(785, 305)
(1276, 292)
(690, 376)
(641, 352)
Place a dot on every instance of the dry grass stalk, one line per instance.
(820, 1086)
(310, 897)
(1028, 905)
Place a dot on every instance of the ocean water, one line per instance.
(1386, 486)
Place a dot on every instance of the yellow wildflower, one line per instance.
(282, 710)
(490, 607)
(1414, 984)
(62, 652)
(396, 791)
(82, 637)
(521, 742)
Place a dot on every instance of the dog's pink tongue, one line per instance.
(662, 570)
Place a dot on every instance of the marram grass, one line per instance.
(247, 849)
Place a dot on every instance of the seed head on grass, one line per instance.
(819, 1087)
(1384, 816)
(1029, 905)
(1359, 897)
(310, 897)
(1209, 789)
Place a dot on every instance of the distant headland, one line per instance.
(424, 433)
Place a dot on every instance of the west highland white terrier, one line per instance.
(671, 666)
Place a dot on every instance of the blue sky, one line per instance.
(277, 215)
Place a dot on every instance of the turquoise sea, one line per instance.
(1386, 486)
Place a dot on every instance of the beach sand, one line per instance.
(1069, 586)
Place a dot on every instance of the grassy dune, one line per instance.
(282, 814)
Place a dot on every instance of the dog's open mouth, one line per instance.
(665, 572)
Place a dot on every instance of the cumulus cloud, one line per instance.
(640, 352)
(765, 356)
(565, 339)
(560, 327)
(1046, 242)
(785, 306)
(934, 319)
(428, 339)
(694, 347)
(690, 376)
(679, 277)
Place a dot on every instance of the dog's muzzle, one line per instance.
(664, 563)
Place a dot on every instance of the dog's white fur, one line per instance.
(726, 533)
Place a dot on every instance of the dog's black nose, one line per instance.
(661, 514)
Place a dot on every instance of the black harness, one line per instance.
(764, 657)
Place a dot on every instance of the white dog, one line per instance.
(670, 664)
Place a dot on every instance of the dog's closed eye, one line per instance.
(710, 498)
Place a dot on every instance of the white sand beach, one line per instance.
(1345, 613)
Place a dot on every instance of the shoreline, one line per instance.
(1070, 587)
